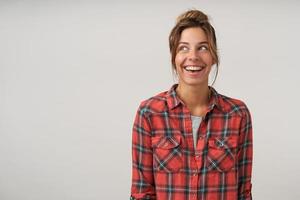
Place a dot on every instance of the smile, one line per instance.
(192, 68)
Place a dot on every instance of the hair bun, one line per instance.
(192, 15)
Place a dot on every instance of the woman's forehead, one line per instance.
(193, 35)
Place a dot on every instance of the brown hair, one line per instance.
(189, 19)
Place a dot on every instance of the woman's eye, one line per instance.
(183, 48)
(203, 48)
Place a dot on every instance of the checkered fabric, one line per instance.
(165, 164)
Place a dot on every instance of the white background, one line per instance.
(72, 74)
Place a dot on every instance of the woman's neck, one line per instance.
(193, 96)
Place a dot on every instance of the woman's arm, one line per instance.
(143, 187)
(245, 157)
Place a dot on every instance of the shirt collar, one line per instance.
(173, 100)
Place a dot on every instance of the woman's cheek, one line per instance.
(178, 60)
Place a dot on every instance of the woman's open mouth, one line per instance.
(193, 69)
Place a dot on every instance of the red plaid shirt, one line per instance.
(167, 167)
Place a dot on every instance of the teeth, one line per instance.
(193, 68)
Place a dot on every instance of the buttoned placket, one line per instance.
(196, 160)
(198, 155)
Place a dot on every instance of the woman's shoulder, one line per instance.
(233, 105)
(155, 103)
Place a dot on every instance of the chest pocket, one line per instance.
(167, 153)
(222, 153)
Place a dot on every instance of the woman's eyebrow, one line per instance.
(203, 42)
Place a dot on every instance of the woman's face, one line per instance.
(193, 59)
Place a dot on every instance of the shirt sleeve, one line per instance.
(245, 157)
(142, 187)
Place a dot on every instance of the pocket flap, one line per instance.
(166, 142)
(227, 142)
(232, 141)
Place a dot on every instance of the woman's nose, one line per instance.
(193, 55)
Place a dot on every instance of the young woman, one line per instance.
(191, 142)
